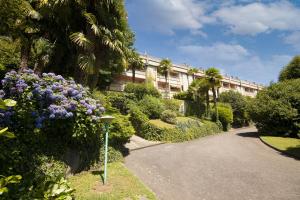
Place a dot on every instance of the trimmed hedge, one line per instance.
(184, 130)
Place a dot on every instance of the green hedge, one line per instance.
(183, 131)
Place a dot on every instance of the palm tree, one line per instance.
(164, 68)
(214, 78)
(201, 87)
(193, 71)
(135, 63)
(91, 44)
(20, 21)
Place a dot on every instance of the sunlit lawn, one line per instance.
(161, 124)
(121, 185)
(288, 145)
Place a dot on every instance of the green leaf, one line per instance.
(3, 190)
(3, 130)
(14, 179)
(2, 104)
(7, 134)
(10, 102)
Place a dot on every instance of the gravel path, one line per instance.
(229, 166)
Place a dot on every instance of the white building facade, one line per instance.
(179, 79)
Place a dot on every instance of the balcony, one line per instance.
(171, 80)
(138, 74)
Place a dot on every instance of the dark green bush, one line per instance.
(238, 104)
(137, 118)
(168, 116)
(142, 89)
(275, 110)
(225, 115)
(121, 130)
(120, 100)
(193, 108)
(151, 106)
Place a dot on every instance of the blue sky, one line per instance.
(252, 40)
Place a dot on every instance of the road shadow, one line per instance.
(249, 134)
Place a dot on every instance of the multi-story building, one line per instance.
(179, 79)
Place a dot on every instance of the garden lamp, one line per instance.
(107, 121)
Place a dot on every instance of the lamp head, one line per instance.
(106, 119)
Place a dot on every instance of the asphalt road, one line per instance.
(229, 166)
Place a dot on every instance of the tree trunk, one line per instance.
(25, 53)
(218, 93)
(133, 74)
(215, 103)
(207, 104)
(93, 81)
(166, 78)
(38, 67)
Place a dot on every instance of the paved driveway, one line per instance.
(229, 166)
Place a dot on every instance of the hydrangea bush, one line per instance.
(50, 97)
(53, 114)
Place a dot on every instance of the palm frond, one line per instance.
(87, 63)
(81, 40)
(92, 20)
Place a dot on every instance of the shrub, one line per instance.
(238, 104)
(193, 108)
(142, 89)
(168, 116)
(137, 118)
(121, 130)
(225, 115)
(120, 100)
(174, 105)
(151, 106)
(275, 110)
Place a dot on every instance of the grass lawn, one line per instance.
(161, 124)
(121, 185)
(288, 145)
(183, 119)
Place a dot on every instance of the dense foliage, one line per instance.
(95, 40)
(238, 104)
(275, 110)
(53, 116)
(141, 89)
(151, 106)
(291, 71)
(225, 116)
(168, 116)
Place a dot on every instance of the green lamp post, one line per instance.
(107, 121)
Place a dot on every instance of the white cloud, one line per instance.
(293, 39)
(236, 60)
(166, 16)
(254, 18)
(219, 52)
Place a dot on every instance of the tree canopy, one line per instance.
(291, 71)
